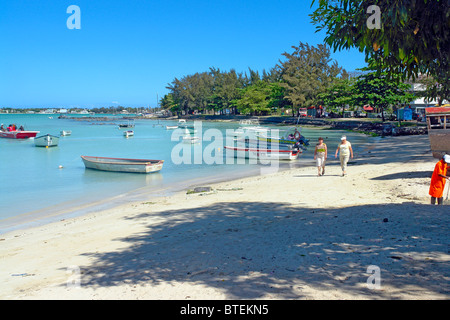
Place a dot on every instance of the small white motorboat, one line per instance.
(46, 141)
(171, 127)
(128, 133)
(65, 133)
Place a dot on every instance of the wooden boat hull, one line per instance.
(439, 142)
(18, 134)
(46, 141)
(122, 165)
(438, 123)
(263, 154)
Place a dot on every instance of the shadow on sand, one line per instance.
(252, 250)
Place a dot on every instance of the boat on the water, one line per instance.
(249, 122)
(11, 132)
(46, 141)
(65, 132)
(290, 136)
(171, 127)
(128, 133)
(263, 153)
(122, 165)
(438, 122)
(129, 124)
(190, 139)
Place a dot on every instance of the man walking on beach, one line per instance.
(345, 152)
(438, 178)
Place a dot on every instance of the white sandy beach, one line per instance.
(286, 235)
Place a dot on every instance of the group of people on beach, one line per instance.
(321, 153)
(345, 151)
(11, 127)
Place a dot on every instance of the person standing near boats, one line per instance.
(438, 178)
(345, 152)
(320, 155)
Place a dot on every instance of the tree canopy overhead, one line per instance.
(412, 36)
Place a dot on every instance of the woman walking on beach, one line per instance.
(438, 178)
(345, 152)
(320, 155)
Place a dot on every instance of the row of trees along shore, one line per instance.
(411, 44)
(306, 77)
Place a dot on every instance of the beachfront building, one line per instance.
(418, 105)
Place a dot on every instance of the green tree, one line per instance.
(225, 90)
(339, 94)
(412, 37)
(192, 92)
(255, 99)
(381, 91)
(168, 102)
(307, 72)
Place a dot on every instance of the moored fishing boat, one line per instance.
(46, 141)
(65, 132)
(128, 133)
(438, 122)
(263, 153)
(122, 164)
(290, 136)
(129, 124)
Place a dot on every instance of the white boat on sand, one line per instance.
(122, 164)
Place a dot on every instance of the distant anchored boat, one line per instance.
(128, 133)
(46, 141)
(129, 124)
(65, 132)
(438, 122)
(122, 165)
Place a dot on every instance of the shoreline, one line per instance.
(70, 208)
(285, 235)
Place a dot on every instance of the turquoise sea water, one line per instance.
(34, 188)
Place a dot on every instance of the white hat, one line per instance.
(446, 158)
(344, 138)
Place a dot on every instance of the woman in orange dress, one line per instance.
(438, 180)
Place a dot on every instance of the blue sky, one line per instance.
(127, 51)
